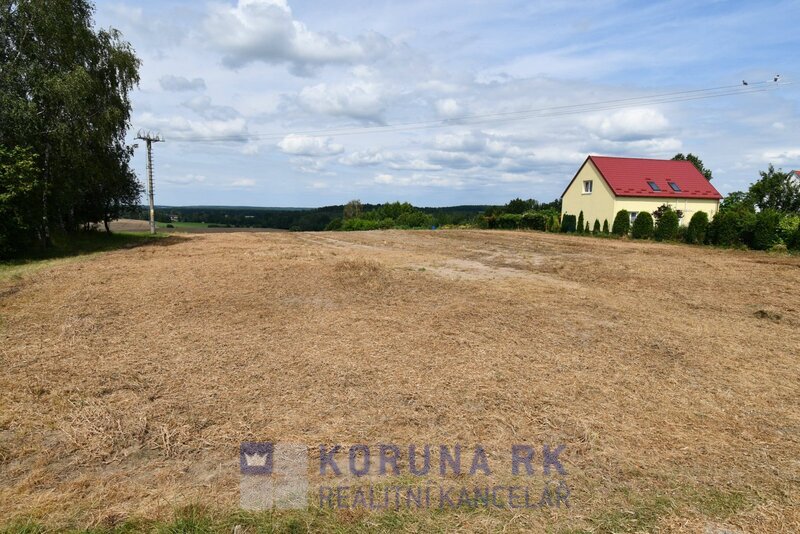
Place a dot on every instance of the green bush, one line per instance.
(622, 223)
(596, 227)
(555, 224)
(508, 221)
(586, 228)
(568, 223)
(415, 219)
(533, 221)
(580, 222)
(789, 224)
(642, 226)
(732, 227)
(793, 242)
(765, 231)
(335, 224)
(356, 224)
(667, 227)
(605, 226)
(698, 228)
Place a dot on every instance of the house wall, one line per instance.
(689, 206)
(597, 205)
(601, 204)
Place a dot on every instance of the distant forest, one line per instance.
(295, 219)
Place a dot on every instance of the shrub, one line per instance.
(508, 221)
(605, 226)
(765, 231)
(555, 224)
(596, 227)
(586, 228)
(568, 223)
(662, 209)
(355, 224)
(698, 227)
(788, 226)
(415, 219)
(642, 226)
(580, 222)
(534, 221)
(732, 227)
(335, 224)
(622, 223)
(667, 227)
(793, 242)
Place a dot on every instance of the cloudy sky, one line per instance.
(301, 103)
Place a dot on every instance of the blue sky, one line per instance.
(234, 85)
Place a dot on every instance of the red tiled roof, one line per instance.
(628, 177)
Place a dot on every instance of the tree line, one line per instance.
(64, 113)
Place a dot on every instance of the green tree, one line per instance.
(622, 223)
(20, 194)
(596, 227)
(765, 231)
(732, 227)
(519, 206)
(64, 94)
(667, 226)
(736, 200)
(663, 208)
(352, 210)
(605, 226)
(568, 223)
(555, 224)
(698, 227)
(776, 190)
(642, 227)
(697, 162)
(580, 222)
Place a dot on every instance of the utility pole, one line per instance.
(150, 138)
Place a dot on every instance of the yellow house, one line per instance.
(605, 185)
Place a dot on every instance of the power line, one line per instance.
(553, 111)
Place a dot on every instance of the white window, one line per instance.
(587, 187)
(633, 216)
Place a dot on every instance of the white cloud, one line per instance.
(265, 30)
(303, 145)
(448, 108)
(782, 155)
(245, 183)
(384, 179)
(414, 165)
(363, 158)
(180, 83)
(460, 142)
(180, 128)
(186, 179)
(361, 100)
(202, 106)
(628, 124)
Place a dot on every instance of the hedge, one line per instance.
(698, 228)
(622, 223)
(667, 227)
(642, 226)
(568, 223)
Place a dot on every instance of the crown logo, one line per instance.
(255, 460)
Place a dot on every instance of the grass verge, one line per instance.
(67, 246)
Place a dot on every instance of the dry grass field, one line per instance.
(671, 373)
